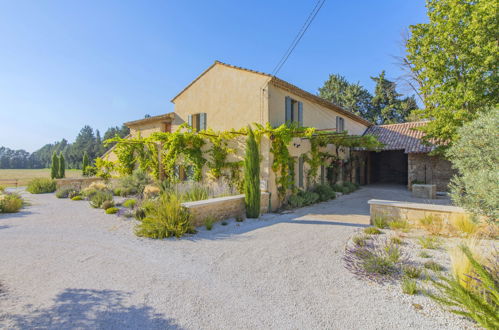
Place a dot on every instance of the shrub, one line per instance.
(409, 286)
(432, 224)
(392, 252)
(411, 271)
(337, 188)
(349, 187)
(62, 166)
(41, 186)
(379, 265)
(64, 192)
(208, 222)
(434, 266)
(372, 231)
(85, 164)
(424, 254)
(479, 302)
(461, 265)
(197, 192)
(77, 198)
(54, 168)
(107, 204)
(129, 203)
(465, 225)
(136, 182)
(429, 242)
(476, 157)
(2, 188)
(166, 218)
(112, 210)
(325, 192)
(380, 222)
(252, 176)
(396, 240)
(73, 193)
(10, 203)
(239, 219)
(99, 197)
(90, 171)
(151, 191)
(400, 224)
(360, 240)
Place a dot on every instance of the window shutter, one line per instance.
(189, 120)
(337, 124)
(342, 124)
(288, 116)
(300, 172)
(300, 114)
(202, 121)
(323, 174)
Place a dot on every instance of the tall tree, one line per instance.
(54, 169)
(454, 59)
(252, 176)
(62, 166)
(85, 163)
(388, 107)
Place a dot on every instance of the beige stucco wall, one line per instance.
(314, 115)
(231, 98)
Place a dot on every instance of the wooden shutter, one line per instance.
(189, 120)
(288, 113)
(202, 121)
(300, 114)
(300, 172)
(323, 174)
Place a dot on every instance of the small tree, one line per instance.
(54, 170)
(62, 166)
(475, 155)
(84, 164)
(252, 176)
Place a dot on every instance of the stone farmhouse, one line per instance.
(226, 97)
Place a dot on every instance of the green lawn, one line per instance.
(8, 177)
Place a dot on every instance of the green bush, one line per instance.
(337, 188)
(208, 223)
(166, 218)
(77, 198)
(2, 188)
(196, 193)
(372, 231)
(360, 240)
(480, 301)
(10, 203)
(429, 242)
(54, 168)
(411, 271)
(136, 182)
(325, 192)
(99, 197)
(475, 155)
(90, 171)
(129, 203)
(424, 254)
(107, 205)
(349, 187)
(432, 265)
(409, 286)
(41, 186)
(74, 193)
(396, 240)
(252, 176)
(302, 198)
(112, 210)
(401, 225)
(380, 222)
(64, 192)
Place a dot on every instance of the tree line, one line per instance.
(88, 141)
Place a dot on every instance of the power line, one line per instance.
(298, 37)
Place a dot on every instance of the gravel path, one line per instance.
(66, 265)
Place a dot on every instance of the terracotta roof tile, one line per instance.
(401, 137)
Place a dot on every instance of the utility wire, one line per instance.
(298, 37)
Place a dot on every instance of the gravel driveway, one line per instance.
(66, 265)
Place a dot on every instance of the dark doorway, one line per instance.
(389, 167)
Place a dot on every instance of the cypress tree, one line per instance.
(85, 163)
(62, 166)
(252, 176)
(54, 170)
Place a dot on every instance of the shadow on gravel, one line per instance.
(21, 214)
(92, 309)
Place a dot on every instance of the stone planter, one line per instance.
(427, 191)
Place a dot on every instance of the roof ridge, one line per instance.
(404, 123)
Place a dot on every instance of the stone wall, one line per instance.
(222, 208)
(413, 212)
(429, 170)
(76, 182)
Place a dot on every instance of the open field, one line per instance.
(9, 177)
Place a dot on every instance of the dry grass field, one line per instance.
(9, 177)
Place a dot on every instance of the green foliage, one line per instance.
(197, 192)
(302, 198)
(337, 188)
(62, 166)
(107, 204)
(380, 222)
(104, 168)
(429, 242)
(325, 192)
(10, 203)
(424, 254)
(411, 271)
(479, 302)
(85, 163)
(166, 218)
(54, 169)
(77, 198)
(378, 264)
(136, 182)
(112, 210)
(399, 224)
(476, 157)
(396, 240)
(433, 265)
(90, 171)
(454, 61)
(360, 240)
(239, 219)
(98, 198)
(129, 203)
(372, 231)
(208, 223)
(41, 186)
(2, 188)
(64, 192)
(252, 176)
(409, 286)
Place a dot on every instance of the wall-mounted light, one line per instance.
(296, 145)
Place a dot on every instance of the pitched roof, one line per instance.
(401, 137)
(288, 87)
(166, 117)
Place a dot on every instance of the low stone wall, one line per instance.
(413, 212)
(222, 208)
(76, 182)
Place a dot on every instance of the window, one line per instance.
(293, 111)
(197, 121)
(340, 124)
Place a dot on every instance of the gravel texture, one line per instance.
(66, 265)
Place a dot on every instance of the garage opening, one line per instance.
(388, 167)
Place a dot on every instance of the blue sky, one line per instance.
(64, 64)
